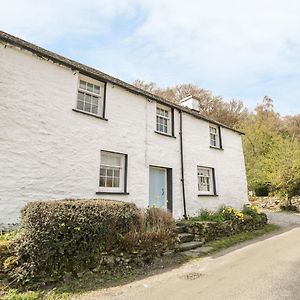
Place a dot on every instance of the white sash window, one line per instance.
(90, 96)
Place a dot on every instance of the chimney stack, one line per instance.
(191, 102)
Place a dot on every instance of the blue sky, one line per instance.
(237, 49)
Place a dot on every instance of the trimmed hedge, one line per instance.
(59, 238)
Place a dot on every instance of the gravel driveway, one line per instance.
(284, 219)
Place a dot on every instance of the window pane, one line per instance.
(110, 159)
(213, 130)
(110, 170)
(82, 84)
(95, 109)
(87, 106)
(116, 173)
(88, 98)
(80, 96)
(205, 179)
(102, 181)
(116, 182)
(109, 182)
(97, 89)
(80, 105)
(89, 87)
(95, 100)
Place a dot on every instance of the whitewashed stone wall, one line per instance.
(48, 151)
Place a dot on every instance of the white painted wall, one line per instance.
(48, 151)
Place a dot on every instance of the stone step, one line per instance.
(185, 237)
(198, 252)
(189, 246)
(181, 229)
(181, 223)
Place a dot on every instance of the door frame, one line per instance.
(168, 185)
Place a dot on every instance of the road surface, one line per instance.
(268, 269)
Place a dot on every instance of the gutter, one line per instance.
(182, 165)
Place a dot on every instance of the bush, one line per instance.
(231, 214)
(63, 238)
(206, 215)
(60, 237)
(222, 214)
(262, 191)
(225, 222)
(156, 234)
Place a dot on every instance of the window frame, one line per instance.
(170, 120)
(102, 96)
(217, 135)
(122, 189)
(212, 182)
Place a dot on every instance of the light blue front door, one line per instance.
(157, 187)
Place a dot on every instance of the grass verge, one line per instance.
(93, 281)
(229, 241)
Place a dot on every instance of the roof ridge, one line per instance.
(90, 71)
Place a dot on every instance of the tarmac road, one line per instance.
(266, 269)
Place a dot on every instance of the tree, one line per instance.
(282, 165)
(292, 125)
(259, 127)
(215, 107)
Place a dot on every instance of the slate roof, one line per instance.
(89, 71)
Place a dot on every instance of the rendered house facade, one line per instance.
(70, 131)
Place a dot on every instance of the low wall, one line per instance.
(206, 231)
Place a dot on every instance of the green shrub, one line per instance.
(262, 191)
(231, 214)
(207, 215)
(63, 238)
(13, 294)
(7, 236)
(60, 237)
(225, 213)
(5, 253)
(250, 210)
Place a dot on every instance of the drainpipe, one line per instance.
(182, 165)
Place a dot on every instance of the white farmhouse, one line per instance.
(70, 131)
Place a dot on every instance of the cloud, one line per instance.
(243, 49)
(227, 38)
(50, 21)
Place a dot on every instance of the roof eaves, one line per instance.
(10, 39)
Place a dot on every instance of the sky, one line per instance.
(237, 49)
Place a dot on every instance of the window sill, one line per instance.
(89, 114)
(165, 134)
(208, 195)
(217, 148)
(112, 193)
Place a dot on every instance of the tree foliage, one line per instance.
(272, 153)
(230, 112)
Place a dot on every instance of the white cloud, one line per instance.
(236, 48)
(227, 39)
(49, 21)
